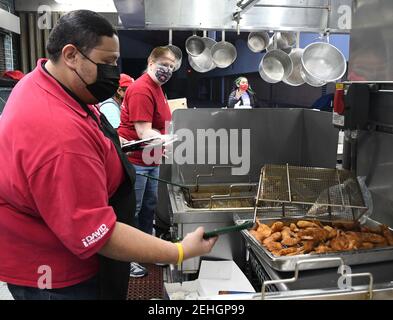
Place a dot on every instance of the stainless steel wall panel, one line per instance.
(278, 136)
(265, 145)
(375, 162)
(228, 247)
(317, 132)
(371, 46)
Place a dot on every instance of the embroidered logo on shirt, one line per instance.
(95, 236)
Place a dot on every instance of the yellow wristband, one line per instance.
(181, 253)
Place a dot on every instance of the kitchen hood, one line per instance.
(229, 15)
(235, 15)
(131, 13)
(9, 22)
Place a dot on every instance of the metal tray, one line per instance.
(355, 257)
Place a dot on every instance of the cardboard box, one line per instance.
(214, 276)
(175, 104)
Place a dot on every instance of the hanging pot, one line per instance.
(223, 53)
(275, 66)
(176, 51)
(204, 62)
(323, 62)
(295, 78)
(195, 45)
(283, 41)
(311, 80)
(258, 41)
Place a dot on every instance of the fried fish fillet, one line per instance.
(289, 238)
(388, 234)
(323, 249)
(306, 236)
(273, 246)
(347, 225)
(277, 226)
(273, 238)
(306, 224)
(288, 251)
(315, 234)
(264, 231)
(256, 235)
(332, 232)
(372, 237)
(366, 245)
(308, 246)
(294, 227)
(345, 242)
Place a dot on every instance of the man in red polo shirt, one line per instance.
(66, 190)
(145, 113)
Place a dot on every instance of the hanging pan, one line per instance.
(176, 51)
(283, 41)
(275, 66)
(258, 41)
(295, 78)
(195, 45)
(323, 62)
(204, 62)
(223, 53)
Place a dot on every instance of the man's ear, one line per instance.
(70, 56)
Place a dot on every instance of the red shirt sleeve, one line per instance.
(70, 193)
(141, 107)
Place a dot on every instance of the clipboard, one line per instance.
(135, 145)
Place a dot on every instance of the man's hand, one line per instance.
(194, 244)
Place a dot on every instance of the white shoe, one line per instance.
(137, 271)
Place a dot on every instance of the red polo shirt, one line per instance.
(57, 172)
(144, 101)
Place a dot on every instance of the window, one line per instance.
(2, 53)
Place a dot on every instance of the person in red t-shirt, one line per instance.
(145, 113)
(66, 188)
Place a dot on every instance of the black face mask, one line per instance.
(107, 82)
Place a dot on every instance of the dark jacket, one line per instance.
(324, 103)
(232, 99)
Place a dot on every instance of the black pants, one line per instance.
(87, 290)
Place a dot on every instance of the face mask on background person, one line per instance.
(163, 73)
(107, 81)
(243, 86)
